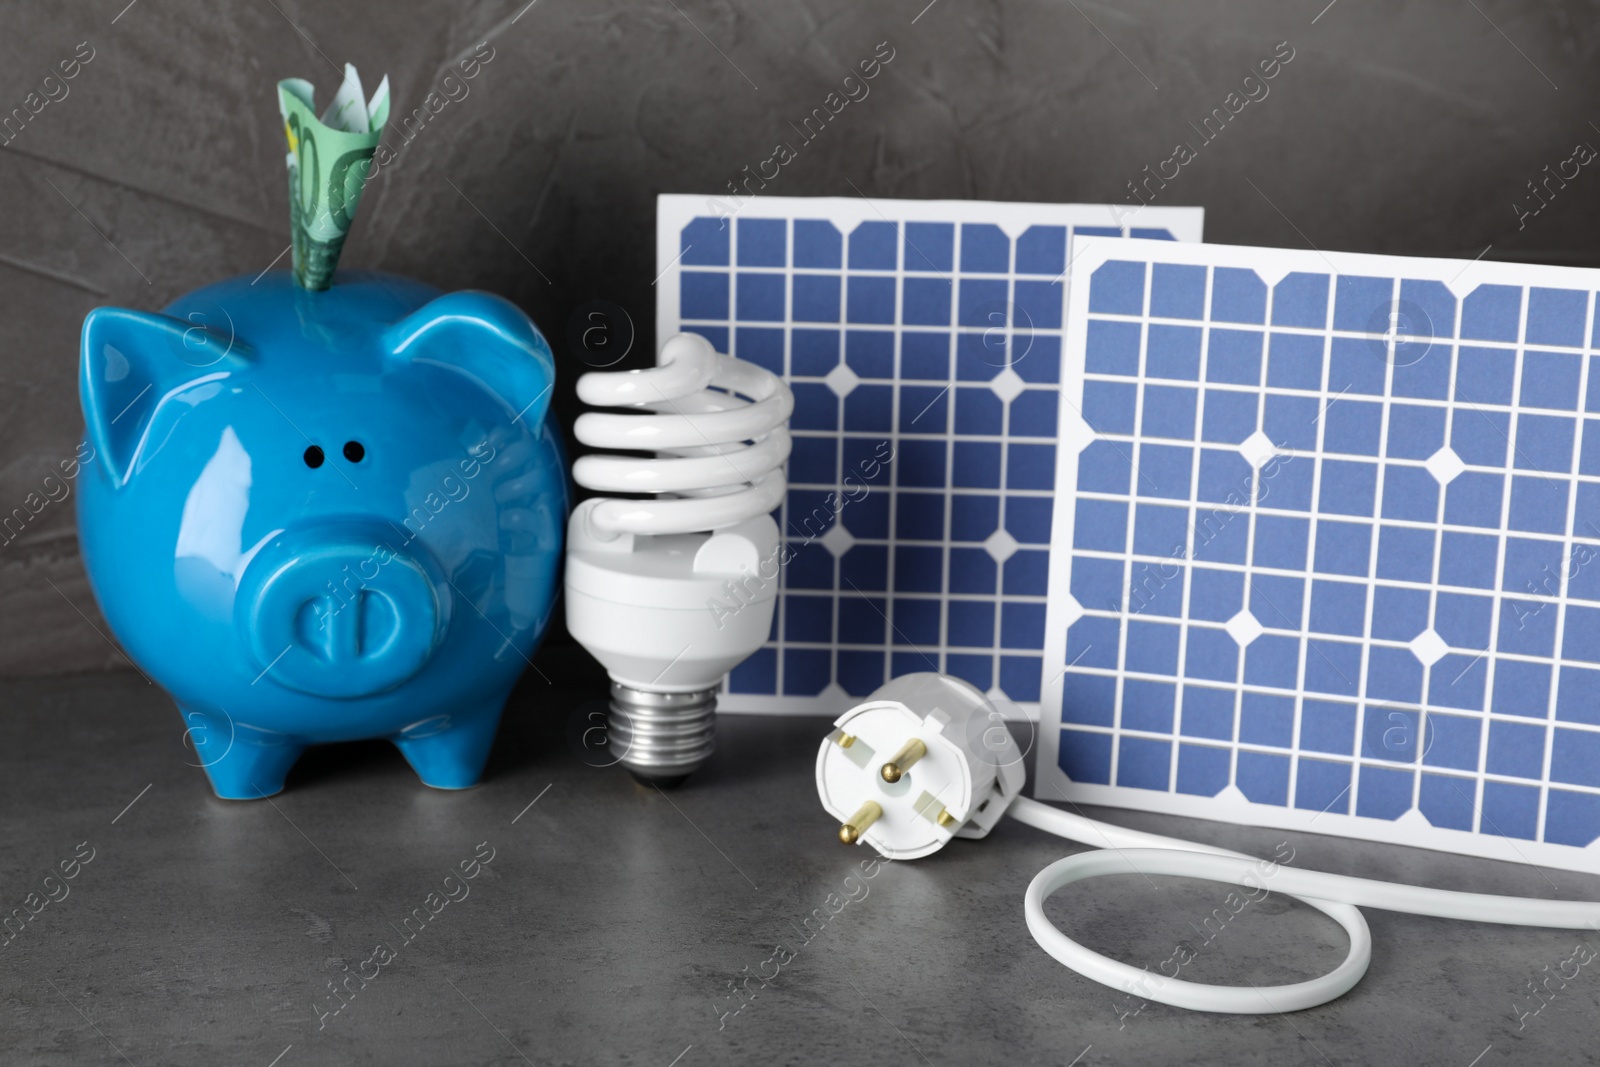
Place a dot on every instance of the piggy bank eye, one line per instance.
(313, 457)
(353, 451)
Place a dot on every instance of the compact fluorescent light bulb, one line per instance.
(672, 591)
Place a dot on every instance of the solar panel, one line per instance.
(1328, 546)
(922, 341)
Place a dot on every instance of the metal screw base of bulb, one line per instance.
(662, 737)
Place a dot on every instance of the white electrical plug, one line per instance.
(925, 758)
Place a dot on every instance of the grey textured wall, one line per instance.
(1398, 126)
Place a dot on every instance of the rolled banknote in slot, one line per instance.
(329, 159)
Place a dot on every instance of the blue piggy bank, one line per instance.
(324, 516)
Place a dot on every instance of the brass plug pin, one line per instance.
(864, 817)
(902, 761)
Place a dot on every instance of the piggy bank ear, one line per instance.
(131, 362)
(487, 339)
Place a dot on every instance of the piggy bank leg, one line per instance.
(449, 751)
(243, 763)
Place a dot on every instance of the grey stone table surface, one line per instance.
(611, 920)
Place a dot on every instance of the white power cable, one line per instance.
(1335, 895)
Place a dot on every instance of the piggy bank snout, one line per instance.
(334, 611)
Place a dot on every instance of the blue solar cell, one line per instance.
(972, 570)
(1485, 375)
(1263, 777)
(1294, 361)
(1030, 466)
(1393, 674)
(1019, 676)
(1327, 726)
(1148, 705)
(1025, 573)
(1357, 365)
(1538, 504)
(975, 464)
(978, 411)
(1265, 719)
(984, 303)
(817, 243)
(1202, 769)
(1550, 379)
(704, 243)
(1526, 628)
(1522, 688)
(1385, 793)
(1109, 407)
(1173, 352)
(1422, 370)
(1234, 356)
(1272, 661)
(925, 302)
(1277, 601)
(1572, 818)
(1038, 305)
(1348, 488)
(1237, 295)
(1086, 757)
(1415, 432)
(1447, 801)
(806, 671)
(870, 300)
(1301, 299)
(1556, 317)
(1323, 786)
(985, 248)
(1117, 288)
(1107, 467)
(1362, 304)
(762, 347)
(1343, 548)
(1021, 624)
(1028, 519)
(1168, 412)
(870, 353)
(1481, 437)
(930, 246)
(869, 408)
(1410, 493)
(1390, 733)
(873, 246)
(1143, 763)
(1042, 250)
(1398, 613)
(816, 298)
(1036, 358)
(1473, 499)
(703, 295)
(1491, 313)
(1177, 292)
(1353, 427)
(1510, 810)
(1427, 309)
(1458, 681)
(1281, 542)
(1225, 477)
(763, 242)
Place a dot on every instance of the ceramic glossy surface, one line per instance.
(324, 516)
